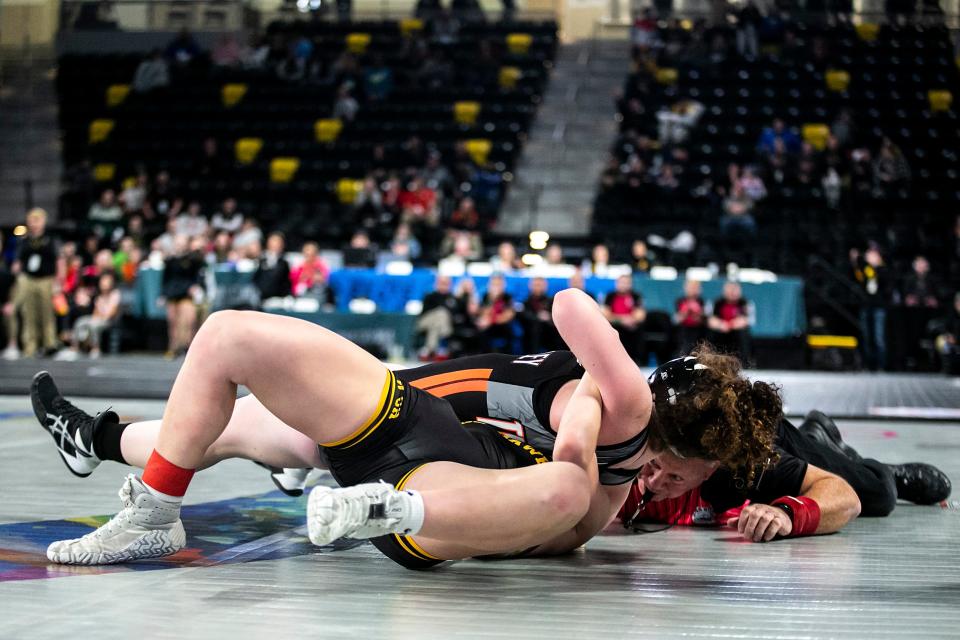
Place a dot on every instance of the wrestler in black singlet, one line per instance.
(409, 429)
(513, 394)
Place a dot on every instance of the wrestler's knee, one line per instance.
(878, 504)
(566, 494)
(221, 333)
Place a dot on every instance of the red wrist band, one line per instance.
(803, 511)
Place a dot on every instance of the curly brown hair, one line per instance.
(723, 417)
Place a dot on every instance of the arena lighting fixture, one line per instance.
(539, 240)
(20, 230)
(532, 259)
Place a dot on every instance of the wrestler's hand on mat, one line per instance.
(762, 523)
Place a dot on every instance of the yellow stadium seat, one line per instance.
(837, 80)
(410, 26)
(117, 93)
(327, 130)
(666, 75)
(816, 134)
(246, 149)
(479, 149)
(509, 77)
(100, 130)
(104, 171)
(868, 31)
(233, 93)
(466, 111)
(832, 342)
(282, 170)
(519, 43)
(940, 99)
(358, 42)
(348, 189)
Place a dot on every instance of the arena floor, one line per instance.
(249, 571)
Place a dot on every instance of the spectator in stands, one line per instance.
(35, 266)
(539, 333)
(313, 269)
(192, 222)
(378, 80)
(921, 299)
(730, 322)
(737, 223)
(748, 25)
(418, 204)
(166, 242)
(102, 263)
(870, 271)
(90, 328)
(465, 216)
(890, 170)
(807, 165)
(843, 128)
(248, 235)
(222, 251)
(554, 254)
(832, 186)
(135, 194)
(346, 106)
(506, 259)
(359, 253)
(183, 49)
(623, 308)
(105, 213)
(126, 261)
(644, 33)
(461, 246)
(948, 340)
(600, 260)
(151, 74)
(778, 131)
(405, 245)
(667, 180)
(777, 163)
(577, 281)
(368, 206)
(228, 218)
(227, 53)
(752, 184)
(496, 316)
(642, 258)
(436, 175)
(213, 162)
(436, 319)
(690, 316)
(272, 277)
(162, 201)
(677, 121)
(181, 288)
(7, 311)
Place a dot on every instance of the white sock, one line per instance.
(173, 501)
(412, 520)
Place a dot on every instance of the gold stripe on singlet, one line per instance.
(380, 413)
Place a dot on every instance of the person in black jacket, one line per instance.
(181, 290)
(36, 268)
(870, 271)
(273, 275)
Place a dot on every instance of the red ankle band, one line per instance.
(162, 475)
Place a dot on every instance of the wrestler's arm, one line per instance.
(836, 499)
(598, 348)
(577, 443)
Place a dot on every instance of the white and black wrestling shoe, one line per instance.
(72, 428)
(362, 511)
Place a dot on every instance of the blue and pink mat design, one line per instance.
(248, 529)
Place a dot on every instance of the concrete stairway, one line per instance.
(569, 143)
(29, 137)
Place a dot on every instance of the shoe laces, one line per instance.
(73, 414)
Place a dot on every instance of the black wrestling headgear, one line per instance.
(667, 382)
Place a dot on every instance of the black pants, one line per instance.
(871, 480)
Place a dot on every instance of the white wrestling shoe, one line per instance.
(361, 511)
(146, 527)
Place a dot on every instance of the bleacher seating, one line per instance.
(891, 80)
(166, 129)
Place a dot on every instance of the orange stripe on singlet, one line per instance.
(445, 384)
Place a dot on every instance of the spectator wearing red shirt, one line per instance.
(690, 317)
(496, 316)
(539, 333)
(730, 322)
(308, 273)
(623, 308)
(418, 203)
